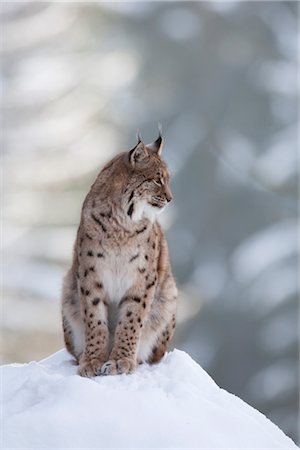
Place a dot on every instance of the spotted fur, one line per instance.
(119, 296)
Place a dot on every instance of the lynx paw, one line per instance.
(118, 366)
(90, 368)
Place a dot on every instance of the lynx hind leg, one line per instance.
(73, 332)
(162, 343)
(71, 318)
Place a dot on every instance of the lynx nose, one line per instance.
(169, 196)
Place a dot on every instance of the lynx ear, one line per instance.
(157, 145)
(138, 154)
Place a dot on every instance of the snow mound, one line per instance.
(174, 404)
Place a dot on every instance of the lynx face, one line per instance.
(149, 178)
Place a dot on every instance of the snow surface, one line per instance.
(174, 404)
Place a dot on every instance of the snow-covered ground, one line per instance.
(174, 404)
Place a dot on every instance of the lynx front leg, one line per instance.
(94, 313)
(133, 312)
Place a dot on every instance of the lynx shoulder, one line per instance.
(119, 296)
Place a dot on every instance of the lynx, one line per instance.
(119, 296)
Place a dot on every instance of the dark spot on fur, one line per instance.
(136, 299)
(144, 304)
(129, 313)
(90, 253)
(148, 240)
(100, 255)
(142, 270)
(85, 311)
(130, 210)
(99, 285)
(88, 236)
(91, 315)
(149, 286)
(98, 221)
(134, 257)
(82, 290)
(139, 320)
(99, 322)
(153, 245)
(131, 196)
(96, 301)
(131, 320)
(92, 269)
(85, 273)
(87, 292)
(141, 230)
(146, 257)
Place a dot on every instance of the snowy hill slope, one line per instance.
(174, 404)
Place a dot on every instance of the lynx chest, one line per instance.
(119, 272)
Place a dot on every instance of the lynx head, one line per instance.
(148, 190)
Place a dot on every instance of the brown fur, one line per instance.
(119, 296)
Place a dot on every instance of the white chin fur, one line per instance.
(142, 209)
(160, 210)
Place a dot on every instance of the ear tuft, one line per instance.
(159, 129)
(139, 137)
(157, 145)
(138, 154)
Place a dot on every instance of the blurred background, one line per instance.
(78, 80)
